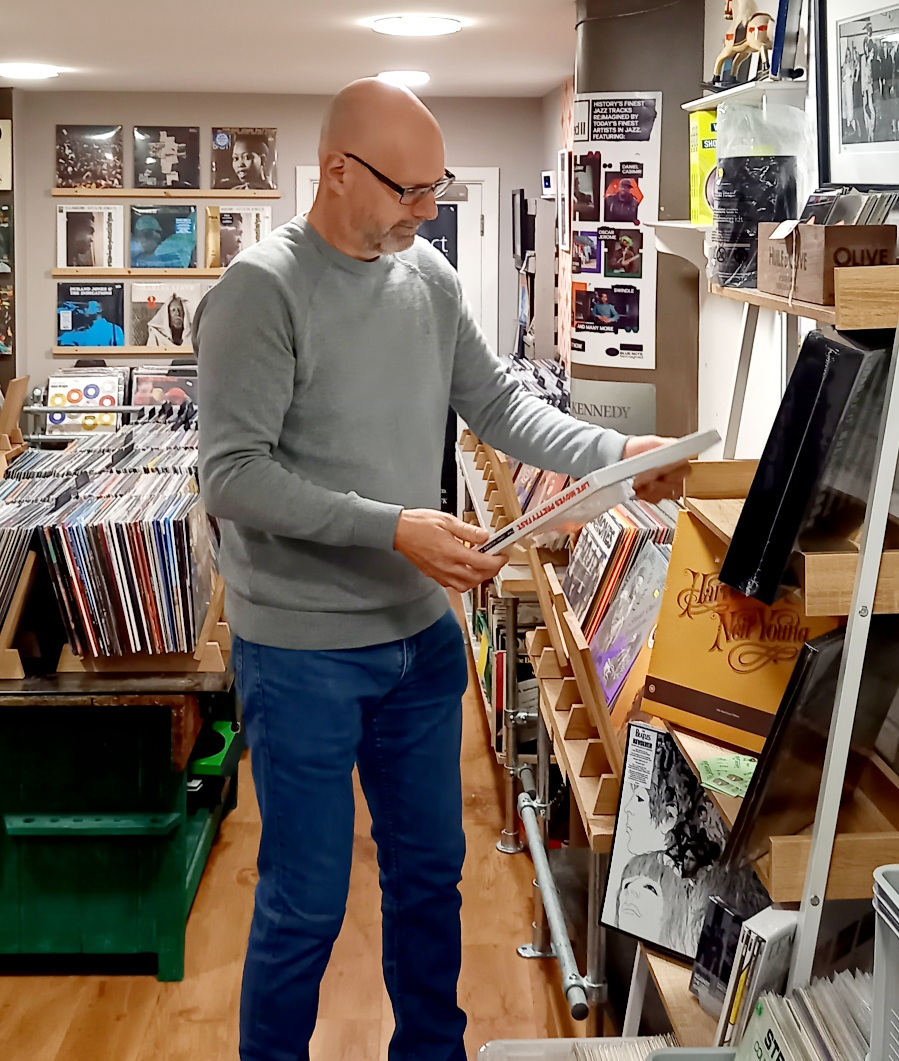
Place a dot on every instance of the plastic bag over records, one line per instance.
(766, 166)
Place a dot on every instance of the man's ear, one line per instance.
(333, 167)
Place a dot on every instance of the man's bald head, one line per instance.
(371, 126)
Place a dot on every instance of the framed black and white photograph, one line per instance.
(858, 92)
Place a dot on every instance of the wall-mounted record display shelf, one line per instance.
(865, 297)
(123, 351)
(165, 193)
(136, 274)
(750, 93)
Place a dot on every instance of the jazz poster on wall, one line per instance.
(614, 194)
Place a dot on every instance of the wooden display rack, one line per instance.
(213, 647)
(12, 443)
(165, 193)
(577, 720)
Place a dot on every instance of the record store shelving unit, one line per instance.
(94, 765)
(126, 273)
(836, 857)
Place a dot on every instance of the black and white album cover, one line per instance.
(244, 158)
(869, 82)
(163, 237)
(90, 237)
(89, 156)
(90, 315)
(7, 343)
(228, 232)
(166, 157)
(162, 314)
(7, 257)
(667, 850)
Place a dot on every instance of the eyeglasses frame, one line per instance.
(422, 190)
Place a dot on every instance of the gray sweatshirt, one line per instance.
(324, 386)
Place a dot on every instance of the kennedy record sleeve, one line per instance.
(89, 156)
(244, 158)
(166, 156)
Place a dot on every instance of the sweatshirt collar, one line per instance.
(337, 257)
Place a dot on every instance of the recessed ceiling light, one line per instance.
(416, 25)
(27, 71)
(406, 78)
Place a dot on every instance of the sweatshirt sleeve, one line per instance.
(244, 337)
(502, 413)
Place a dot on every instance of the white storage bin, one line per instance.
(885, 1030)
(532, 1049)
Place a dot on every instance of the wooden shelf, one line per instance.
(748, 93)
(864, 298)
(691, 1024)
(143, 274)
(822, 314)
(719, 515)
(163, 193)
(695, 749)
(123, 351)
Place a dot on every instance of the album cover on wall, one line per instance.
(89, 156)
(163, 237)
(166, 157)
(90, 237)
(244, 158)
(7, 341)
(90, 315)
(228, 232)
(5, 155)
(624, 254)
(667, 850)
(585, 187)
(162, 314)
(7, 257)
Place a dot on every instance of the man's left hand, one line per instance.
(664, 482)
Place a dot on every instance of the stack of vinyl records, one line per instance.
(143, 435)
(157, 384)
(17, 525)
(41, 463)
(546, 380)
(132, 574)
(69, 388)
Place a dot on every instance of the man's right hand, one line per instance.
(433, 541)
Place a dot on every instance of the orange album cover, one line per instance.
(721, 661)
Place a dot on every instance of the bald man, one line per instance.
(329, 353)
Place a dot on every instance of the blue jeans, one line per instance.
(395, 710)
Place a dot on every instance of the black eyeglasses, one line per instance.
(409, 196)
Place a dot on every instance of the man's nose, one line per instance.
(426, 208)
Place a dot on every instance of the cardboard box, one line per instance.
(804, 262)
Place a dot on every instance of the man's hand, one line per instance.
(433, 542)
(667, 481)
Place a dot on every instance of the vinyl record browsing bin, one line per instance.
(802, 264)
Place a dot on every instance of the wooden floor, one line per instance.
(126, 1018)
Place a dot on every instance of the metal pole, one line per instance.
(541, 945)
(572, 981)
(597, 986)
(510, 841)
(849, 683)
(747, 339)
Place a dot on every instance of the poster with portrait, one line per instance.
(90, 315)
(5, 155)
(244, 158)
(162, 314)
(166, 157)
(614, 195)
(858, 101)
(90, 237)
(89, 156)
(667, 850)
(163, 237)
(228, 232)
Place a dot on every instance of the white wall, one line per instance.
(479, 132)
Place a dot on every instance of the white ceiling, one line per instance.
(507, 48)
